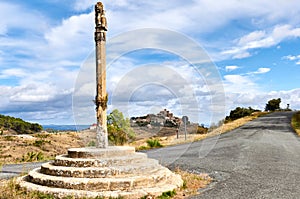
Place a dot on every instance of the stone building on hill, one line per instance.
(162, 119)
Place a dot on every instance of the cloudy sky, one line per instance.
(199, 58)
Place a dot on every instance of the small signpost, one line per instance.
(185, 119)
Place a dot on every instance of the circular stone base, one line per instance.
(112, 172)
(93, 152)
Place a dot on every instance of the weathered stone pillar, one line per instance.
(101, 96)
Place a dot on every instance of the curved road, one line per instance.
(258, 160)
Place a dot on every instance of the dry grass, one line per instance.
(18, 148)
(9, 189)
(192, 183)
(226, 127)
(296, 122)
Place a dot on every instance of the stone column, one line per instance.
(101, 96)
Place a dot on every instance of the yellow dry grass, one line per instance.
(192, 183)
(14, 148)
(296, 122)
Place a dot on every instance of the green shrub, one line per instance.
(142, 148)
(41, 135)
(239, 113)
(118, 127)
(40, 143)
(116, 136)
(9, 138)
(41, 195)
(91, 143)
(167, 195)
(32, 156)
(154, 143)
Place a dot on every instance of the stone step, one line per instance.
(64, 160)
(109, 152)
(162, 176)
(133, 194)
(147, 166)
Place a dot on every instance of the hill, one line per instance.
(11, 125)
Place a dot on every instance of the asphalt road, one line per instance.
(13, 170)
(258, 160)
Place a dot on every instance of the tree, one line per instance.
(19, 125)
(119, 130)
(273, 104)
(239, 112)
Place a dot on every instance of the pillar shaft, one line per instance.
(101, 96)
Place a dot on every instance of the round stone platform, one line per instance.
(93, 172)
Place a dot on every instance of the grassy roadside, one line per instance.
(296, 122)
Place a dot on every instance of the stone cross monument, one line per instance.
(104, 171)
(101, 96)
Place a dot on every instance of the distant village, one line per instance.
(162, 119)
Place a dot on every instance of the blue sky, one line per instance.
(45, 48)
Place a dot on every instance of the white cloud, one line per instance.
(261, 71)
(72, 38)
(261, 39)
(15, 16)
(252, 37)
(295, 58)
(290, 57)
(12, 72)
(231, 68)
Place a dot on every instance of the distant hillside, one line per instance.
(18, 126)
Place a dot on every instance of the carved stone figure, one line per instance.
(103, 21)
(98, 12)
(100, 19)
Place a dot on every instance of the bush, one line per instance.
(32, 156)
(91, 143)
(116, 136)
(273, 105)
(40, 143)
(202, 130)
(167, 195)
(118, 127)
(154, 143)
(239, 113)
